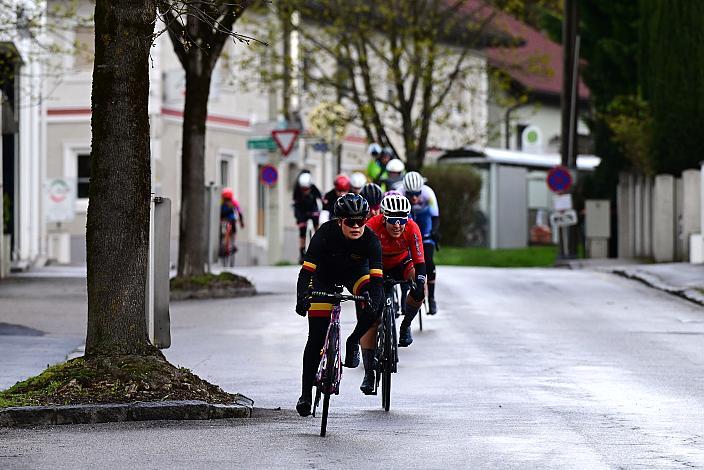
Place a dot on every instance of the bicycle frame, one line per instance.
(332, 341)
(329, 374)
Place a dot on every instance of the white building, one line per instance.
(22, 167)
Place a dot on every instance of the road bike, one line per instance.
(327, 379)
(227, 243)
(386, 352)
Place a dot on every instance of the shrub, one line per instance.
(457, 188)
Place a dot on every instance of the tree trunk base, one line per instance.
(113, 379)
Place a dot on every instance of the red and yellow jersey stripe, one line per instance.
(320, 310)
(308, 266)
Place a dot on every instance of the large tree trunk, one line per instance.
(118, 214)
(192, 243)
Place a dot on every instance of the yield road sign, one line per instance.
(559, 179)
(285, 138)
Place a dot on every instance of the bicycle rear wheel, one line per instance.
(420, 314)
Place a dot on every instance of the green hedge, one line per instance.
(457, 188)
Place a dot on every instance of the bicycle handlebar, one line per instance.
(341, 297)
(388, 281)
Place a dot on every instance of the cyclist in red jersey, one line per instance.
(403, 259)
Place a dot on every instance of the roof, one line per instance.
(535, 62)
(475, 155)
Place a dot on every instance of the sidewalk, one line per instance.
(42, 321)
(685, 280)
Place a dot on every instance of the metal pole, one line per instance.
(572, 151)
(569, 91)
(209, 212)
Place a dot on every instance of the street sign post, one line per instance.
(285, 138)
(559, 179)
(269, 175)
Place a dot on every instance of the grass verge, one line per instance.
(531, 257)
(225, 279)
(121, 379)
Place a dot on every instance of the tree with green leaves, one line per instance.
(609, 48)
(672, 78)
(198, 30)
(407, 70)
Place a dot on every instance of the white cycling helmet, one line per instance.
(395, 205)
(395, 166)
(374, 149)
(357, 180)
(305, 180)
(413, 182)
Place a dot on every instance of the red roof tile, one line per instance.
(536, 62)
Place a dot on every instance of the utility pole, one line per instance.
(570, 92)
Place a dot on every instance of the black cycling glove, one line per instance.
(418, 288)
(303, 304)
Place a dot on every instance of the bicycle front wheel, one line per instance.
(330, 380)
(389, 339)
(324, 420)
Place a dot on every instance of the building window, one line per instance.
(519, 136)
(83, 175)
(225, 173)
(261, 205)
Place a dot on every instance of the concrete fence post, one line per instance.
(638, 221)
(691, 209)
(625, 216)
(648, 217)
(664, 218)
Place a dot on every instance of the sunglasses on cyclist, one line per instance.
(353, 222)
(413, 193)
(397, 220)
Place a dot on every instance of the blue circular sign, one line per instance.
(559, 179)
(269, 175)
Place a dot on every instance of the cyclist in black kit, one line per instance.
(305, 207)
(342, 252)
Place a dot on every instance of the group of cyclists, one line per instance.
(384, 227)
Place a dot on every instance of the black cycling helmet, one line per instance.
(351, 205)
(372, 193)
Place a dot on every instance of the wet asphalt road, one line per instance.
(521, 369)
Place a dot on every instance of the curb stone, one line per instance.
(693, 295)
(212, 293)
(116, 412)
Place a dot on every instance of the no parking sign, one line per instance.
(269, 175)
(559, 179)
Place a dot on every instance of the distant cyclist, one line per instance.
(375, 166)
(342, 252)
(393, 175)
(305, 207)
(230, 214)
(373, 194)
(341, 186)
(426, 214)
(403, 257)
(357, 182)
